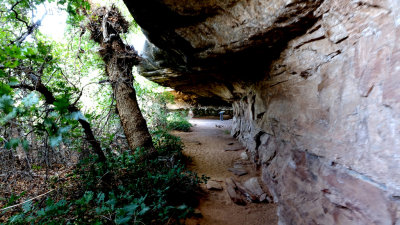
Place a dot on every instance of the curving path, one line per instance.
(206, 146)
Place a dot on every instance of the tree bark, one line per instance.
(135, 127)
(106, 26)
(21, 154)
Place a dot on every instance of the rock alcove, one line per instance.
(314, 89)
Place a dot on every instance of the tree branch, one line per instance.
(30, 28)
(16, 14)
(26, 201)
(50, 99)
(23, 86)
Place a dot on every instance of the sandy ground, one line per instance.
(206, 146)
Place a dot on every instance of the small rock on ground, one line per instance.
(233, 194)
(234, 149)
(213, 185)
(197, 213)
(254, 188)
(244, 156)
(238, 171)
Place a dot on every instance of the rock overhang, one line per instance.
(215, 49)
(315, 98)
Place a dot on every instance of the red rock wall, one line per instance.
(324, 126)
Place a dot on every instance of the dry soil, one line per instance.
(206, 145)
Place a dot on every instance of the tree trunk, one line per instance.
(135, 127)
(20, 152)
(106, 26)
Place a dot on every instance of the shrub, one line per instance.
(124, 190)
(177, 121)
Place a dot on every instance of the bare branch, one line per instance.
(17, 16)
(104, 81)
(23, 86)
(104, 24)
(30, 28)
(27, 200)
(79, 97)
(66, 78)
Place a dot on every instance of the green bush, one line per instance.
(125, 190)
(177, 121)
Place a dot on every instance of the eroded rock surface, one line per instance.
(315, 91)
(214, 49)
(325, 126)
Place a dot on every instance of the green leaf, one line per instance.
(55, 140)
(63, 130)
(61, 203)
(13, 81)
(77, 116)
(100, 197)
(131, 208)
(40, 213)
(86, 198)
(30, 53)
(54, 114)
(11, 64)
(62, 104)
(25, 144)
(144, 209)
(27, 206)
(5, 89)
(122, 219)
(6, 104)
(13, 143)
(112, 202)
(14, 198)
(2, 73)
(182, 207)
(17, 219)
(9, 116)
(30, 100)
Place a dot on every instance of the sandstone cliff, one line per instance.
(314, 86)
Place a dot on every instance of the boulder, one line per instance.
(213, 185)
(238, 171)
(233, 193)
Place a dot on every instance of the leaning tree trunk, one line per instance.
(106, 25)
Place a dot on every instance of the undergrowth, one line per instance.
(124, 190)
(177, 121)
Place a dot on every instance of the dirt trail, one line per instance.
(206, 146)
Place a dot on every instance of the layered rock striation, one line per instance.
(315, 91)
(215, 49)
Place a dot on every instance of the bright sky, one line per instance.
(54, 25)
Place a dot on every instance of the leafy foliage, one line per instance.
(125, 189)
(177, 121)
(23, 62)
(153, 100)
(150, 192)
